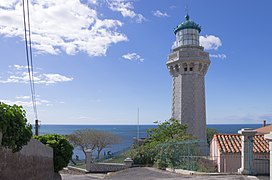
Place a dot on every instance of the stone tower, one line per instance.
(188, 64)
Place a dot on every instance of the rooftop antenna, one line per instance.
(186, 8)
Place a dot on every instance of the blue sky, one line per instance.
(97, 61)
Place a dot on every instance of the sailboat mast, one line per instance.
(138, 128)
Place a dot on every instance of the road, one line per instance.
(148, 173)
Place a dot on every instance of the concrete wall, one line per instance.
(33, 162)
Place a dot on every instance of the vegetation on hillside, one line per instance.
(169, 145)
(15, 129)
(160, 148)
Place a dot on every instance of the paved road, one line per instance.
(145, 173)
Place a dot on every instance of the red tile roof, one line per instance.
(231, 143)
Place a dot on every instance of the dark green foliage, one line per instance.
(13, 124)
(175, 154)
(63, 150)
(159, 148)
(210, 133)
(168, 131)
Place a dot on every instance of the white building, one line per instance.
(188, 64)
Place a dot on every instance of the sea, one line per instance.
(127, 133)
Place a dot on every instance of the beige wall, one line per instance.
(33, 162)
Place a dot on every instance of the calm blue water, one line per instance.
(127, 132)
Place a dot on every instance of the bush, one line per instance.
(13, 124)
(210, 133)
(159, 148)
(63, 150)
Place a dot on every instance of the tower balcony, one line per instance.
(188, 53)
(188, 59)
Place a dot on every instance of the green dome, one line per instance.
(187, 24)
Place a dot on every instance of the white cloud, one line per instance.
(133, 57)
(7, 3)
(23, 97)
(18, 75)
(26, 102)
(220, 56)
(92, 1)
(63, 26)
(210, 42)
(160, 14)
(126, 9)
(18, 67)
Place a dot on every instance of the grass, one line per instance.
(118, 159)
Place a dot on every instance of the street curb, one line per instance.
(187, 172)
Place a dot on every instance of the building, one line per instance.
(188, 64)
(226, 149)
(266, 129)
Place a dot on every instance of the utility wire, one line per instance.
(31, 60)
(29, 57)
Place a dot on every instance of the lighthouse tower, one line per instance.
(188, 63)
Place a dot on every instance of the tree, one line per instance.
(210, 134)
(13, 124)
(104, 140)
(168, 131)
(161, 147)
(62, 149)
(84, 139)
(92, 139)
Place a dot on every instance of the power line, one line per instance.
(31, 61)
(29, 58)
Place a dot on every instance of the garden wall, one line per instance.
(106, 167)
(34, 161)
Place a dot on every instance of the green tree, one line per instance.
(168, 131)
(210, 133)
(160, 148)
(13, 124)
(62, 149)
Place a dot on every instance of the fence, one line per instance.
(187, 155)
(193, 156)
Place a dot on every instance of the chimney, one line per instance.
(264, 123)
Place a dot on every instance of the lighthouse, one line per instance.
(188, 64)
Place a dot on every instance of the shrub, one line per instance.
(62, 149)
(159, 148)
(13, 124)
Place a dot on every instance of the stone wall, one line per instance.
(188, 66)
(106, 167)
(34, 161)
